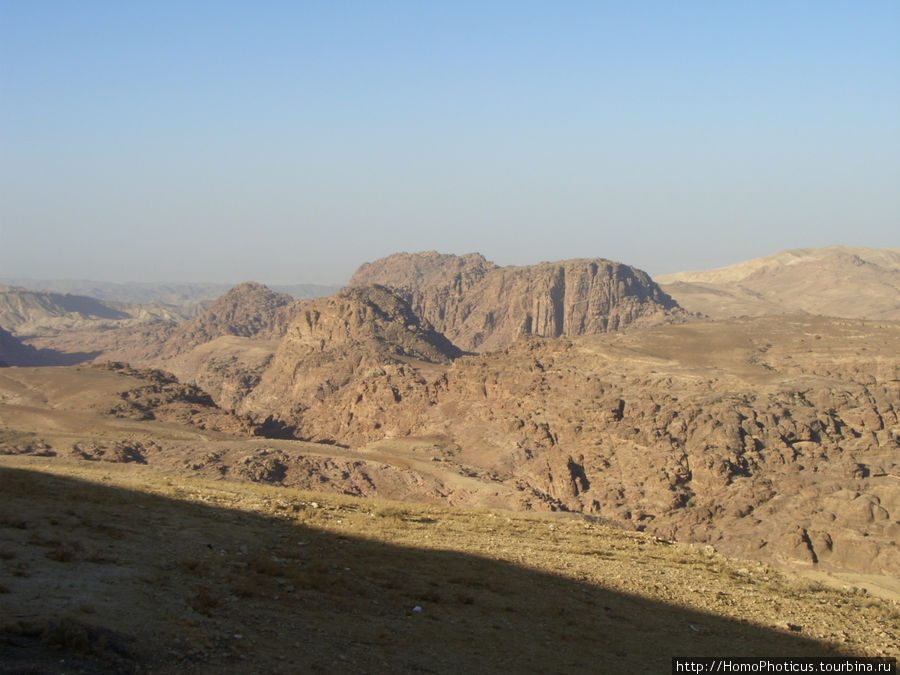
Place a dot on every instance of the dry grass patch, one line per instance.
(302, 576)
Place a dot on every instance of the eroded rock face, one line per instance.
(771, 438)
(224, 350)
(339, 342)
(247, 310)
(482, 307)
(766, 439)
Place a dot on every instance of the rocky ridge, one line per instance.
(772, 441)
(24, 312)
(339, 342)
(482, 307)
(247, 310)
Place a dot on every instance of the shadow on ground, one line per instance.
(101, 579)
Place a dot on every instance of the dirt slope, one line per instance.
(115, 568)
(859, 283)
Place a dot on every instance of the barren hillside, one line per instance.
(772, 438)
(136, 538)
(24, 312)
(858, 283)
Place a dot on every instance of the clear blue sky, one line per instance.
(292, 141)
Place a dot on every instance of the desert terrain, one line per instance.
(853, 282)
(568, 451)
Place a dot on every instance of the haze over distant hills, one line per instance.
(30, 312)
(173, 293)
(860, 283)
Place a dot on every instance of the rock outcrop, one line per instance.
(247, 310)
(338, 342)
(482, 307)
(770, 440)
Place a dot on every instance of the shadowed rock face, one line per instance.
(14, 353)
(482, 307)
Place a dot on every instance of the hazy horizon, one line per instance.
(291, 142)
(274, 283)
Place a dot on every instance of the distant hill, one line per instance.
(174, 293)
(860, 283)
(39, 311)
(24, 311)
(482, 307)
(247, 310)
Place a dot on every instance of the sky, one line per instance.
(290, 142)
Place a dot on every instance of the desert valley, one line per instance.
(450, 465)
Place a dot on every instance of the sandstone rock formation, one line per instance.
(224, 350)
(860, 283)
(247, 310)
(337, 342)
(770, 438)
(482, 307)
(773, 440)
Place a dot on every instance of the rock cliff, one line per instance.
(336, 342)
(482, 307)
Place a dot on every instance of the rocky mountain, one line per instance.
(773, 439)
(128, 308)
(225, 349)
(770, 439)
(336, 345)
(482, 307)
(247, 310)
(860, 283)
